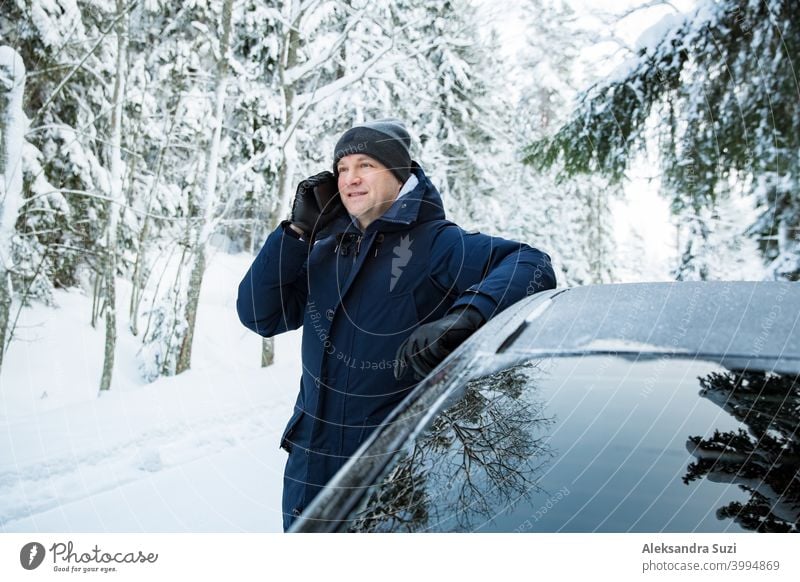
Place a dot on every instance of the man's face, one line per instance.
(367, 187)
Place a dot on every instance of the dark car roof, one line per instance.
(730, 319)
(729, 326)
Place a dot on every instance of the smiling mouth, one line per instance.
(355, 194)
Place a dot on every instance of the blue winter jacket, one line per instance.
(358, 295)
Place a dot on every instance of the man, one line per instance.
(385, 288)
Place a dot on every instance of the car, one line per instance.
(644, 407)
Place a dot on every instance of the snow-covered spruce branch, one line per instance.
(305, 102)
(297, 72)
(75, 67)
(80, 133)
(101, 197)
(22, 302)
(608, 121)
(304, 8)
(294, 74)
(85, 58)
(609, 18)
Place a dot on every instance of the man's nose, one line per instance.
(353, 177)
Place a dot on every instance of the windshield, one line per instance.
(600, 443)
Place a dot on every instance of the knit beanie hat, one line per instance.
(385, 140)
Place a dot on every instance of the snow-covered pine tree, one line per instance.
(448, 90)
(255, 119)
(571, 218)
(73, 169)
(363, 70)
(720, 81)
(69, 47)
(12, 129)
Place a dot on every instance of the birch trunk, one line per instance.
(12, 128)
(204, 229)
(289, 154)
(115, 204)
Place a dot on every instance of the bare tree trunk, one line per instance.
(12, 129)
(208, 205)
(195, 282)
(110, 297)
(286, 168)
(137, 283)
(115, 156)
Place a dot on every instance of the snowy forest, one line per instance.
(144, 141)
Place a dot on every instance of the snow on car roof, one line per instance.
(732, 319)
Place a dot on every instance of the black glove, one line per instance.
(431, 343)
(316, 203)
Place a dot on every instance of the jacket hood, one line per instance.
(422, 204)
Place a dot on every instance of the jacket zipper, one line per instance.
(345, 242)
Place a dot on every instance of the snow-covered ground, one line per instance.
(197, 452)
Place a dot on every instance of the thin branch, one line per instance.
(647, 5)
(77, 67)
(296, 73)
(105, 199)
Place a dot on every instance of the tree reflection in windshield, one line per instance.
(764, 459)
(479, 456)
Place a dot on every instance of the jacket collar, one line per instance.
(422, 203)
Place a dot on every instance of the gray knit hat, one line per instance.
(386, 140)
